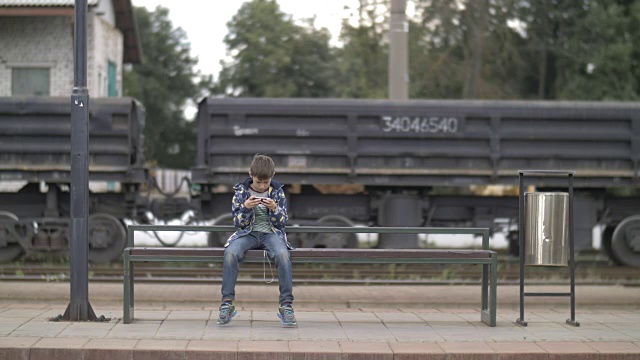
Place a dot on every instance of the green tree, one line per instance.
(164, 82)
(274, 57)
(363, 57)
(464, 49)
(601, 50)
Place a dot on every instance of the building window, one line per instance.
(30, 81)
(112, 79)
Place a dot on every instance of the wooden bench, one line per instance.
(484, 257)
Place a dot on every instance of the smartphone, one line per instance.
(261, 198)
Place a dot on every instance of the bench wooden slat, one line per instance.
(323, 253)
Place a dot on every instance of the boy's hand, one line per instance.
(270, 204)
(252, 202)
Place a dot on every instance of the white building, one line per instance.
(36, 46)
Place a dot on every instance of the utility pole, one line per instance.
(79, 308)
(398, 51)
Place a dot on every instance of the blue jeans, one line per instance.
(276, 249)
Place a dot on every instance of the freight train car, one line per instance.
(35, 174)
(412, 163)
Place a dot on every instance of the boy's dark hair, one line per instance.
(262, 167)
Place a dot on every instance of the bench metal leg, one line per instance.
(488, 315)
(128, 313)
(485, 286)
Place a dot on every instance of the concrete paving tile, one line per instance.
(439, 316)
(49, 313)
(510, 334)
(632, 333)
(149, 307)
(344, 310)
(151, 315)
(189, 315)
(464, 335)
(600, 318)
(544, 326)
(314, 350)
(23, 313)
(15, 319)
(366, 350)
(29, 306)
(54, 343)
(7, 327)
(557, 335)
(322, 332)
(384, 308)
(263, 315)
(421, 310)
(625, 325)
(398, 317)
(467, 350)
(475, 317)
(538, 319)
(459, 310)
(273, 331)
(603, 335)
(236, 330)
(89, 330)
(450, 324)
(413, 332)
(367, 332)
(181, 329)
(417, 351)
(106, 344)
(267, 350)
(40, 329)
(315, 317)
(567, 347)
(628, 316)
(145, 330)
(17, 342)
(356, 317)
(615, 347)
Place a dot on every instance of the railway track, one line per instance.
(587, 271)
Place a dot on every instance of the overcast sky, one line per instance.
(205, 22)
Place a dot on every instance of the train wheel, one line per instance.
(217, 239)
(10, 248)
(607, 237)
(625, 244)
(107, 237)
(332, 240)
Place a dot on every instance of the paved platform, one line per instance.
(334, 322)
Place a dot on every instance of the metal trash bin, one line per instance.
(546, 228)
